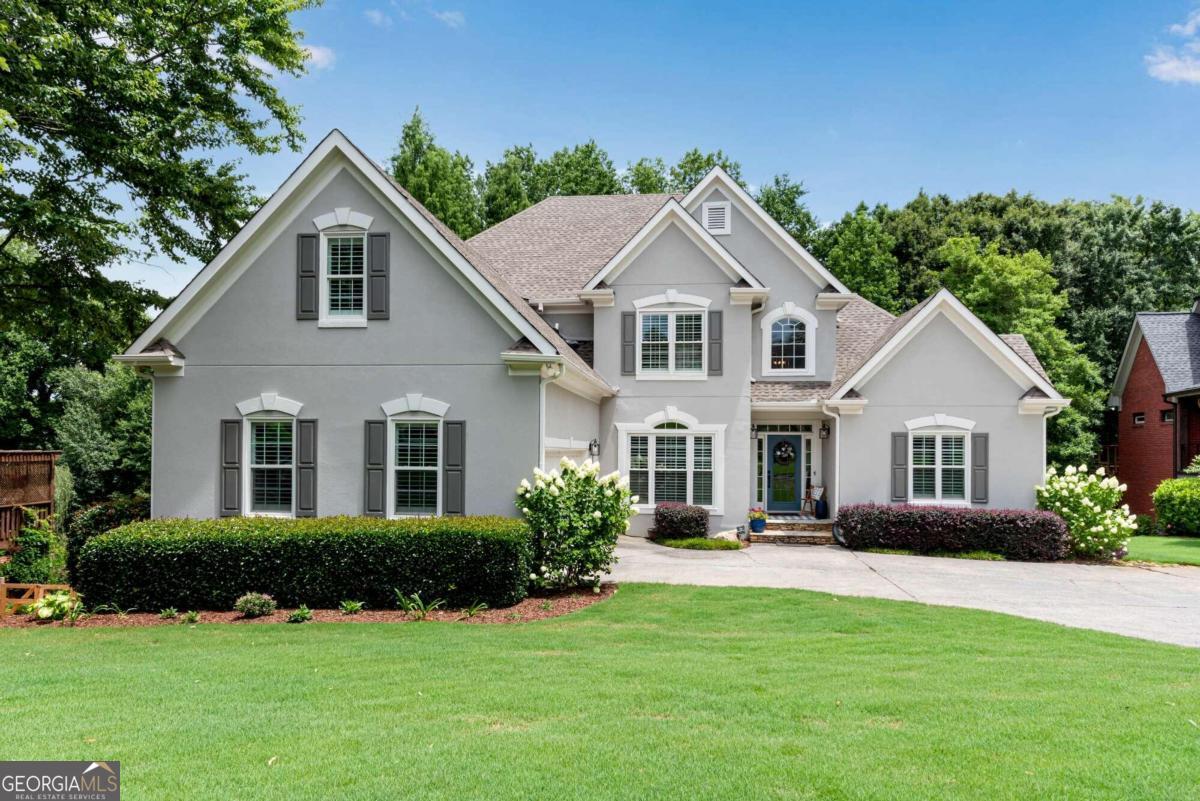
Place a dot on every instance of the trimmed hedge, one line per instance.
(1031, 536)
(673, 521)
(208, 564)
(1177, 505)
(99, 518)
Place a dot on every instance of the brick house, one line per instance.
(1156, 396)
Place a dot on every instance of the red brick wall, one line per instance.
(1146, 453)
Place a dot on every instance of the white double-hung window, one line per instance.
(672, 460)
(345, 276)
(416, 458)
(671, 336)
(271, 465)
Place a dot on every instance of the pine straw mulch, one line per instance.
(535, 607)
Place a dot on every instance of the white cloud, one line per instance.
(451, 19)
(320, 57)
(377, 18)
(1189, 26)
(1181, 64)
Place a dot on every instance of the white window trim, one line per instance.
(411, 417)
(694, 428)
(939, 432)
(790, 309)
(672, 303)
(341, 231)
(248, 419)
(718, 204)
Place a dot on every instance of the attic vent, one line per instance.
(716, 217)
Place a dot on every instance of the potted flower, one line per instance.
(758, 520)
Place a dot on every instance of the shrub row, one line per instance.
(99, 518)
(1014, 533)
(679, 521)
(1177, 505)
(207, 564)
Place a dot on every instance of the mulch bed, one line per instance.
(535, 607)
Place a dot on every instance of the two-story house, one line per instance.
(346, 353)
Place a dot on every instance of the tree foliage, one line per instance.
(859, 252)
(442, 181)
(783, 199)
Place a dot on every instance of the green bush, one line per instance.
(1177, 505)
(575, 515)
(673, 521)
(99, 518)
(207, 564)
(1090, 504)
(38, 556)
(255, 604)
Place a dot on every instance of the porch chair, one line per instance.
(811, 497)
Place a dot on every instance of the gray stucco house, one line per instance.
(346, 353)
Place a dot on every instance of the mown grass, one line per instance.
(1167, 550)
(661, 692)
(984, 556)
(701, 544)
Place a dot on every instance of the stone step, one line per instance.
(800, 525)
(795, 537)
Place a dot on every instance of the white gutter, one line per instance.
(837, 460)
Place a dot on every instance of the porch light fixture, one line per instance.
(823, 432)
(594, 448)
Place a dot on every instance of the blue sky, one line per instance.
(862, 101)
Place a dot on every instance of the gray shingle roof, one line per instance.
(1019, 344)
(1174, 341)
(553, 248)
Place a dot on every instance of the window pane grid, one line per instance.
(344, 275)
(672, 468)
(417, 445)
(939, 467)
(672, 342)
(416, 462)
(271, 466)
(788, 344)
(345, 255)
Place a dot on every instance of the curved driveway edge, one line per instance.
(1152, 602)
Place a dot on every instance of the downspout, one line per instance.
(548, 373)
(837, 459)
(1046, 416)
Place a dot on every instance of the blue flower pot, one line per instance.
(758, 526)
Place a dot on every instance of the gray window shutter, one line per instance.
(714, 342)
(900, 466)
(306, 468)
(308, 281)
(375, 457)
(979, 468)
(378, 270)
(454, 467)
(231, 468)
(628, 343)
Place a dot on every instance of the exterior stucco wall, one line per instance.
(941, 371)
(672, 261)
(787, 282)
(573, 325)
(570, 417)
(438, 342)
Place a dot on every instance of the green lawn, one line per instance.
(1171, 550)
(661, 692)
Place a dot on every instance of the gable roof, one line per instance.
(474, 268)
(672, 213)
(717, 177)
(551, 249)
(863, 330)
(1174, 342)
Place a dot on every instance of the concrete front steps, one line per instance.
(796, 530)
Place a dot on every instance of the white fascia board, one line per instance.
(846, 405)
(204, 289)
(945, 303)
(746, 296)
(785, 406)
(832, 301)
(672, 213)
(560, 371)
(765, 223)
(1042, 405)
(1132, 343)
(598, 297)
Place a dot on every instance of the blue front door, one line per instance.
(785, 472)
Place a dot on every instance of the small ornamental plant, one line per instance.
(575, 516)
(255, 604)
(60, 605)
(1090, 504)
(758, 513)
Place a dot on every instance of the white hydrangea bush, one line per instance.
(1090, 503)
(575, 515)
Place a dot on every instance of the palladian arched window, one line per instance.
(789, 335)
(788, 344)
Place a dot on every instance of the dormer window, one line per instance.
(789, 342)
(715, 216)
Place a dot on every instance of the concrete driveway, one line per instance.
(1155, 603)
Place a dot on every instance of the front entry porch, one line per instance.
(790, 480)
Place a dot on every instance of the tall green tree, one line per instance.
(695, 164)
(110, 113)
(859, 252)
(584, 169)
(509, 185)
(1019, 294)
(442, 181)
(783, 199)
(646, 176)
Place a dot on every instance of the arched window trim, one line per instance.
(796, 312)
